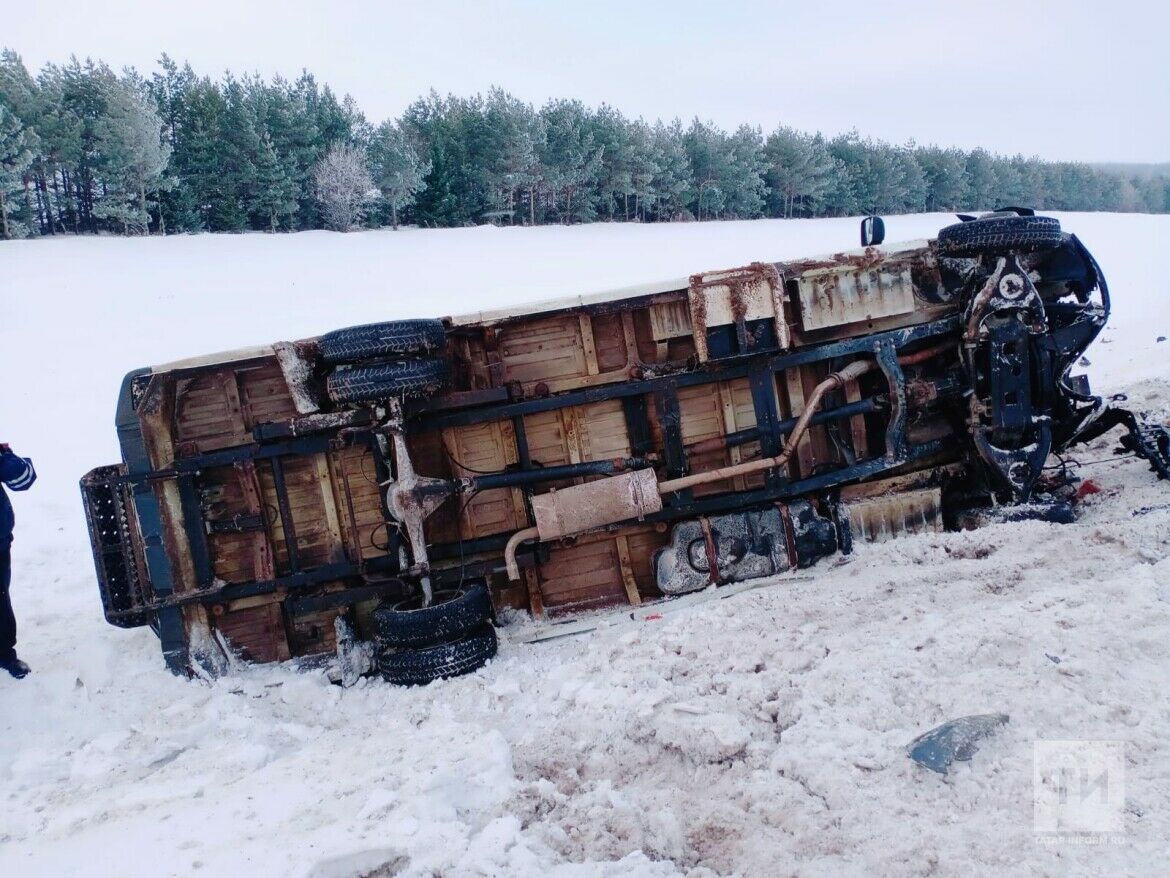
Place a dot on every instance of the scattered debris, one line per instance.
(1146, 510)
(953, 740)
(355, 658)
(1088, 486)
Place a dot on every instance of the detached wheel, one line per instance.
(377, 341)
(996, 235)
(451, 615)
(417, 667)
(403, 379)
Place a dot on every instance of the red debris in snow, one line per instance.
(1088, 486)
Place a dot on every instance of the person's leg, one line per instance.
(7, 618)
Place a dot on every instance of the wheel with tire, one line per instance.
(999, 234)
(403, 379)
(419, 666)
(378, 341)
(451, 615)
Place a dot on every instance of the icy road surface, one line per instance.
(759, 735)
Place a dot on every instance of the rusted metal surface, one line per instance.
(840, 295)
(581, 508)
(636, 494)
(735, 297)
(837, 379)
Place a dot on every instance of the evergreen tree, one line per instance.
(21, 102)
(744, 186)
(946, 177)
(397, 170)
(645, 166)
(510, 136)
(173, 91)
(571, 159)
(437, 130)
(882, 179)
(799, 170)
(673, 178)
(708, 159)
(243, 153)
(912, 198)
(130, 156)
(982, 181)
(274, 196)
(15, 160)
(239, 147)
(615, 174)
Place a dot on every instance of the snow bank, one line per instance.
(757, 735)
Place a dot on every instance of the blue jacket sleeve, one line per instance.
(16, 473)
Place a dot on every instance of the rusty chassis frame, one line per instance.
(274, 442)
(770, 431)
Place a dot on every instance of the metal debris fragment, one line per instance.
(955, 740)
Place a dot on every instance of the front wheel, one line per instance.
(998, 234)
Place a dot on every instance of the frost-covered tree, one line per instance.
(131, 157)
(744, 185)
(15, 160)
(708, 159)
(912, 198)
(672, 180)
(946, 177)
(343, 185)
(397, 169)
(982, 181)
(644, 166)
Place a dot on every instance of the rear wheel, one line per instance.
(451, 615)
(376, 341)
(402, 379)
(419, 666)
(1000, 234)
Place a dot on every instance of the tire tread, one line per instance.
(411, 379)
(417, 667)
(373, 341)
(999, 234)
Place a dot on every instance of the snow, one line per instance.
(758, 735)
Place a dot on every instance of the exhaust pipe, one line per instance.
(634, 495)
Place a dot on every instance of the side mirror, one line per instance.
(873, 231)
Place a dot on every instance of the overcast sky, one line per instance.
(1065, 80)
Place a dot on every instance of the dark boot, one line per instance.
(15, 667)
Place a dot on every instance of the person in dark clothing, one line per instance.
(16, 474)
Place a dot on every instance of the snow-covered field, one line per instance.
(759, 735)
